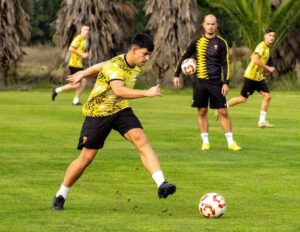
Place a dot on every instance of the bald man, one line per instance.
(211, 83)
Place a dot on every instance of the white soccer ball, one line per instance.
(188, 66)
(212, 205)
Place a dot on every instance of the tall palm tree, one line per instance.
(173, 24)
(253, 16)
(14, 29)
(110, 25)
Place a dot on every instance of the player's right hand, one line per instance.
(176, 82)
(75, 78)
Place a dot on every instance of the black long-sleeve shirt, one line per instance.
(212, 58)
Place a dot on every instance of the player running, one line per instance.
(78, 50)
(209, 87)
(254, 78)
(107, 109)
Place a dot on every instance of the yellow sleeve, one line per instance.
(260, 49)
(113, 72)
(76, 42)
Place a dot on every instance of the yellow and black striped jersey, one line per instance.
(253, 71)
(79, 43)
(212, 58)
(102, 101)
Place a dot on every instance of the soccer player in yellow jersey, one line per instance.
(255, 80)
(107, 108)
(212, 80)
(78, 52)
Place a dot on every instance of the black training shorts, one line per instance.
(208, 91)
(250, 86)
(96, 129)
(74, 70)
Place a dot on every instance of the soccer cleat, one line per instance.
(54, 94)
(166, 189)
(234, 147)
(265, 124)
(77, 104)
(58, 203)
(205, 146)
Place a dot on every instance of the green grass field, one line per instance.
(260, 183)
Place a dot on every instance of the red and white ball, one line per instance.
(188, 66)
(212, 205)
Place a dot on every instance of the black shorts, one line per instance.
(74, 70)
(208, 91)
(250, 86)
(96, 129)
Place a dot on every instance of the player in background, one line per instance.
(107, 108)
(209, 86)
(78, 50)
(254, 78)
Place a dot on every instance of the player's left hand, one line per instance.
(153, 91)
(271, 69)
(75, 78)
(225, 89)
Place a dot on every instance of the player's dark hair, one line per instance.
(268, 30)
(85, 23)
(143, 41)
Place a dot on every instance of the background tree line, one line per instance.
(172, 23)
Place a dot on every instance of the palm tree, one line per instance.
(173, 25)
(110, 25)
(253, 16)
(14, 29)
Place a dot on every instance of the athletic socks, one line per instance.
(75, 100)
(204, 137)
(63, 191)
(262, 117)
(229, 138)
(158, 177)
(58, 90)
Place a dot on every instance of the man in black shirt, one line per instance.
(210, 86)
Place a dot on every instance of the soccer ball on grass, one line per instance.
(212, 205)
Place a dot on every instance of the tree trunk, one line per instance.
(5, 75)
(110, 26)
(173, 24)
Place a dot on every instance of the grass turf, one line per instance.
(260, 183)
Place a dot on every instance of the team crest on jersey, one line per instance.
(216, 47)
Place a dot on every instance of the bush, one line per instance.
(42, 63)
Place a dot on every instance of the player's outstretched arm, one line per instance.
(77, 77)
(120, 90)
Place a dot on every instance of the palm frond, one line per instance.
(286, 54)
(250, 16)
(285, 19)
